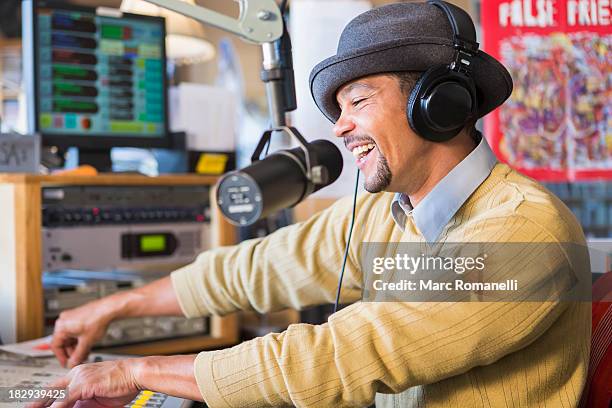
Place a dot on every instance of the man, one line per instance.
(449, 188)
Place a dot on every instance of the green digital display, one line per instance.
(153, 243)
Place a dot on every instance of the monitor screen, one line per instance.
(98, 75)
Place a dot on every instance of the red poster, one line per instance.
(557, 125)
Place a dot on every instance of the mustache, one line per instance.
(357, 139)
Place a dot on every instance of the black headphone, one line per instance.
(444, 98)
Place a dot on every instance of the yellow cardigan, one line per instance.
(403, 354)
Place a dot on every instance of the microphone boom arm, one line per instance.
(259, 22)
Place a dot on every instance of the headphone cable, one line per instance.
(348, 242)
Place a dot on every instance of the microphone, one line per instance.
(280, 180)
(285, 177)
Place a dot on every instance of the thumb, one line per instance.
(89, 404)
(62, 383)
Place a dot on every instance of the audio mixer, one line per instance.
(106, 227)
(100, 240)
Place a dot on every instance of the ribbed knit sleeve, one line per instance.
(386, 347)
(368, 348)
(297, 266)
(442, 354)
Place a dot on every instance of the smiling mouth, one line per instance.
(362, 151)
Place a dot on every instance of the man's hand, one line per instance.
(116, 383)
(106, 384)
(77, 330)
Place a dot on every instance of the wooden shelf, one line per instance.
(10, 43)
(108, 179)
(21, 293)
(10, 95)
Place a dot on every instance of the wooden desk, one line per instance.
(21, 291)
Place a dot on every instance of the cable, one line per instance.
(282, 7)
(348, 242)
(268, 146)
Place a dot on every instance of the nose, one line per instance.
(343, 126)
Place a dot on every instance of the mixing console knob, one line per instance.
(166, 326)
(115, 333)
(53, 304)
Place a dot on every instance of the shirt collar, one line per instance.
(434, 212)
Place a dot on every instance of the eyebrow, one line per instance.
(349, 88)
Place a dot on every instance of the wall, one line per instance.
(250, 55)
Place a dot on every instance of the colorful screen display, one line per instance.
(100, 75)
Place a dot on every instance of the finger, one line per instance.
(71, 398)
(40, 403)
(61, 383)
(43, 402)
(68, 402)
(80, 353)
(57, 346)
(89, 404)
(70, 345)
(62, 404)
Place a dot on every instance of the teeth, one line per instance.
(359, 150)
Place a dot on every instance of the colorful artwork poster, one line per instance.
(557, 125)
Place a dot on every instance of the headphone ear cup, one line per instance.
(441, 103)
(413, 97)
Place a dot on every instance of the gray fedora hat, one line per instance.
(401, 37)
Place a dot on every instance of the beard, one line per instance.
(381, 179)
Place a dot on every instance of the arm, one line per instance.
(154, 299)
(296, 266)
(116, 383)
(368, 348)
(365, 348)
(77, 330)
(390, 346)
(292, 267)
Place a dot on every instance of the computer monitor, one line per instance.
(95, 78)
